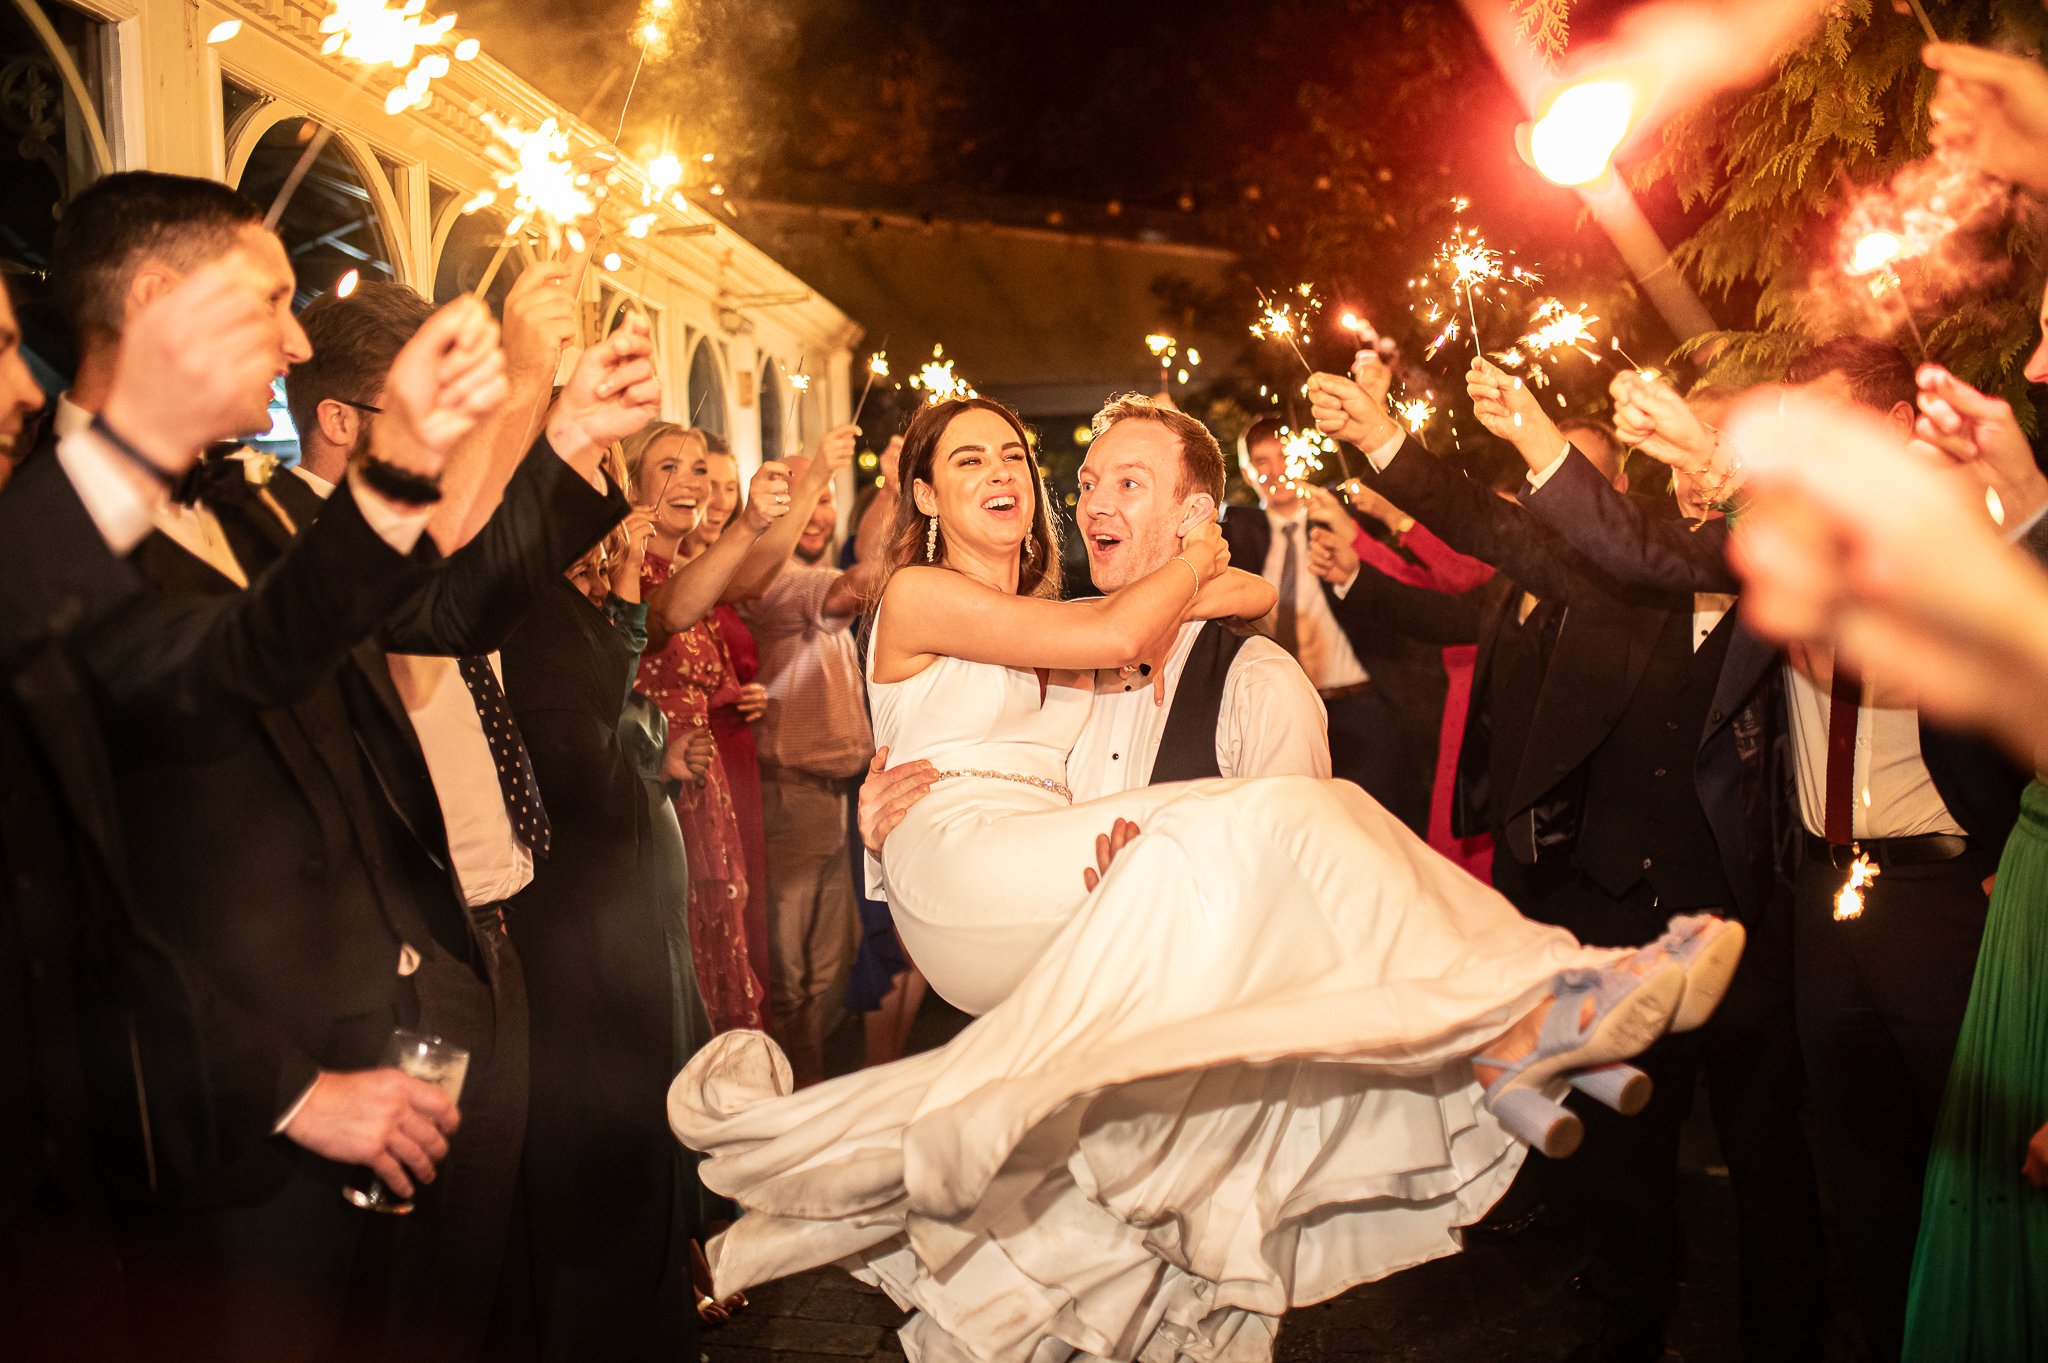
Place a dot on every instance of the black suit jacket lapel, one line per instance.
(1583, 693)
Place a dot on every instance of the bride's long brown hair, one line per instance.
(1040, 564)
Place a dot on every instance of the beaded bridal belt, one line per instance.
(1041, 782)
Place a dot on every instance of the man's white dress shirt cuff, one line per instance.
(1549, 470)
(1382, 455)
(293, 1110)
(2017, 534)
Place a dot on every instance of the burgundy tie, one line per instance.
(1845, 698)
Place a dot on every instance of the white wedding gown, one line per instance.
(1233, 1079)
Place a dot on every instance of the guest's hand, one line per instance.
(540, 322)
(385, 1119)
(1649, 414)
(1366, 500)
(1980, 432)
(1345, 411)
(1331, 557)
(835, 452)
(2036, 1167)
(195, 366)
(1107, 845)
(887, 795)
(1370, 372)
(1993, 109)
(767, 496)
(1507, 407)
(638, 531)
(612, 393)
(689, 753)
(449, 377)
(753, 702)
(1855, 541)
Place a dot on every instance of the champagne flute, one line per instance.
(426, 1058)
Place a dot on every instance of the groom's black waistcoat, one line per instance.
(1187, 746)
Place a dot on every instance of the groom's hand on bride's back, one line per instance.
(887, 795)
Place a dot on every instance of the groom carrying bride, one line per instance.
(1235, 704)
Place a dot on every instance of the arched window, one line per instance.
(334, 221)
(52, 145)
(706, 390)
(772, 398)
(471, 242)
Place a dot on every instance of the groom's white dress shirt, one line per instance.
(1271, 722)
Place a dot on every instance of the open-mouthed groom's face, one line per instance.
(1128, 511)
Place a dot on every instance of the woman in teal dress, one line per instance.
(1980, 1271)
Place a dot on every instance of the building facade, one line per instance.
(88, 87)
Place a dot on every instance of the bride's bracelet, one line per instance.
(1182, 559)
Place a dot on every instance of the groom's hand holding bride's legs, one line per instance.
(887, 795)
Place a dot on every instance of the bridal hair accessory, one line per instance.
(931, 541)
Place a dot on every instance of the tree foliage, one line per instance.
(1775, 173)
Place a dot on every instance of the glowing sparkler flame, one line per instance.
(377, 33)
(1849, 900)
(346, 285)
(800, 382)
(1304, 453)
(653, 31)
(1874, 251)
(1415, 413)
(665, 172)
(878, 364)
(1575, 139)
(1559, 328)
(1160, 345)
(938, 382)
(542, 181)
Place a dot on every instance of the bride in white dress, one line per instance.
(1237, 1076)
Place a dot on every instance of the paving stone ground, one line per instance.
(1495, 1303)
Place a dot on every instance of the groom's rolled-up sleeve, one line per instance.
(1273, 720)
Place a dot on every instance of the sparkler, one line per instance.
(544, 184)
(377, 35)
(799, 384)
(1467, 266)
(937, 381)
(1415, 413)
(1849, 899)
(1304, 451)
(1876, 255)
(1279, 320)
(878, 368)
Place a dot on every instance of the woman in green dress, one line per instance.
(1980, 1272)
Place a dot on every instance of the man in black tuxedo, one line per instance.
(1880, 998)
(91, 652)
(1383, 692)
(296, 804)
(1603, 829)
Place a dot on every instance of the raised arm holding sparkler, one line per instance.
(807, 480)
(1993, 108)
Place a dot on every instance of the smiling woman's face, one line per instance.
(674, 479)
(722, 474)
(981, 485)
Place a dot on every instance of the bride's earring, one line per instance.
(931, 540)
(1030, 549)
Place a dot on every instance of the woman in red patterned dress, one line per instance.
(737, 704)
(684, 671)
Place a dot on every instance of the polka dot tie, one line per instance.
(508, 754)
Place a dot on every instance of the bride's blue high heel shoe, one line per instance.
(1708, 949)
(1630, 1011)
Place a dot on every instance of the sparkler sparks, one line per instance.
(1283, 320)
(1415, 413)
(1559, 328)
(1849, 899)
(654, 29)
(377, 33)
(937, 381)
(1465, 267)
(544, 184)
(1304, 451)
